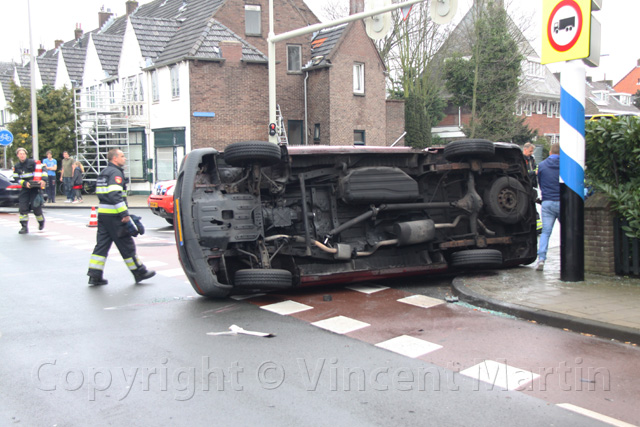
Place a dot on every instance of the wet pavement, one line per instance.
(606, 306)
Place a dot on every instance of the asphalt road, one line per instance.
(126, 354)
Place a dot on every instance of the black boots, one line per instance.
(142, 273)
(24, 229)
(96, 279)
(41, 226)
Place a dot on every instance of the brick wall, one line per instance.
(598, 236)
(236, 92)
(319, 104)
(357, 112)
(543, 124)
(395, 121)
(289, 15)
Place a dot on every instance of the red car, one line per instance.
(161, 199)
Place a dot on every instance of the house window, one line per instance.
(358, 137)
(135, 157)
(112, 92)
(638, 82)
(316, 133)
(294, 58)
(358, 78)
(252, 20)
(155, 92)
(175, 82)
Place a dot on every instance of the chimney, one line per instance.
(638, 62)
(131, 6)
(78, 32)
(231, 50)
(57, 43)
(41, 50)
(356, 6)
(589, 79)
(103, 16)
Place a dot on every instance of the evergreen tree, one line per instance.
(55, 119)
(488, 81)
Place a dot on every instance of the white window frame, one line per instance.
(358, 78)
(174, 72)
(250, 13)
(155, 89)
(297, 66)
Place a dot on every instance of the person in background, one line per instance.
(66, 176)
(52, 167)
(30, 198)
(532, 172)
(549, 179)
(78, 172)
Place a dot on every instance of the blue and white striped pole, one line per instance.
(572, 153)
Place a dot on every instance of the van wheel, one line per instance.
(477, 258)
(263, 279)
(469, 148)
(243, 153)
(506, 200)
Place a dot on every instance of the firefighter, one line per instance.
(532, 171)
(113, 216)
(25, 174)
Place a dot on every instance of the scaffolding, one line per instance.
(102, 123)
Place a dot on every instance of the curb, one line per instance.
(545, 317)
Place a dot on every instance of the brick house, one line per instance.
(629, 84)
(539, 100)
(193, 73)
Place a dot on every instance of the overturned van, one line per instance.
(261, 216)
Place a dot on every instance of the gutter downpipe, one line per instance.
(306, 124)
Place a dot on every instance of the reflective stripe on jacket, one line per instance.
(111, 190)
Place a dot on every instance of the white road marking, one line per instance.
(341, 324)
(367, 289)
(500, 375)
(286, 307)
(421, 301)
(594, 415)
(409, 346)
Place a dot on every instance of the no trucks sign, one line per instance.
(566, 30)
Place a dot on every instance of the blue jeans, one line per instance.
(550, 212)
(68, 188)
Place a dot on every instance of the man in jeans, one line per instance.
(549, 180)
(67, 175)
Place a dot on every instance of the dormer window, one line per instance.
(252, 20)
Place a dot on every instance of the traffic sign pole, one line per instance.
(572, 155)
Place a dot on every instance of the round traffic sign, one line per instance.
(565, 25)
(6, 137)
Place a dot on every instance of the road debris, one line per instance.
(235, 330)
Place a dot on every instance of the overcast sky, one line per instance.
(52, 19)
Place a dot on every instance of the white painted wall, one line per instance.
(62, 74)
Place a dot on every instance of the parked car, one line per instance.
(9, 191)
(161, 199)
(262, 216)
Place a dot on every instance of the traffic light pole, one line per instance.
(273, 39)
(572, 155)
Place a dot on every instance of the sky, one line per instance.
(54, 19)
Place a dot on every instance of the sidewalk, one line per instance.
(134, 201)
(605, 306)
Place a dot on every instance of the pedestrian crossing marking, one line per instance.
(409, 346)
(286, 307)
(500, 375)
(341, 324)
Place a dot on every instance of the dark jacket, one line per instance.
(24, 172)
(532, 168)
(77, 178)
(549, 178)
(111, 189)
